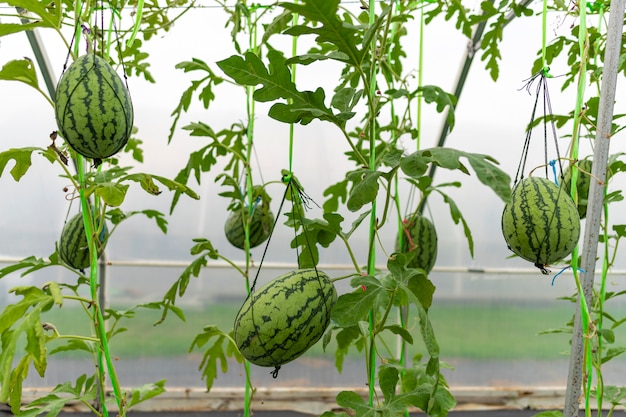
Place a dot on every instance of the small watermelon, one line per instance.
(93, 109)
(541, 223)
(419, 235)
(261, 225)
(73, 247)
(583, 182)
(285, 317)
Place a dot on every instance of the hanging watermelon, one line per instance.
(93, 109)
(541, 223)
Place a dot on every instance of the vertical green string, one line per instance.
(371, 264)
(584, 307)
(543, 36)
(420, 78)
(98, 319)
(250, 112)
(138, 18)
(294, 52)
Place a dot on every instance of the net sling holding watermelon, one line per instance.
(541, 223)
(280, 321)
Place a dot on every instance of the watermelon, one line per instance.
(583, 183)
(541, 223)
(420, 236)
(73, 248)
(261, 225)
(284, 318)
(93, 109)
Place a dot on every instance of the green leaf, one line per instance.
(18, 376)
(353, 401)
(337, 192)
(10, 28)
(52, 404)
(352, 307)
(17, 320)
(21, 70)
(35, 343)
(147, 183)
(345, 338)
(214, 357)
(484, 166)
(613, 394)
(74, 345)
(365, 188)
(612, 353)
(456, 215)
(31, 262)
(22, 158)
(355, 224)
(145, 392)
(276, 82)
(41, 9)
(400, 331)
(426, 328)
(112, 193)
(434, 94)
(205, 249)
(331, 30)
(388, 378)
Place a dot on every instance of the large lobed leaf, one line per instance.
(276, 83)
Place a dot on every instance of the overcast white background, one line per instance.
(490, 118)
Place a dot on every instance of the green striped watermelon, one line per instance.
(419, 235)
(583, 182)
(541, 223)
(261, 225)
(93, 109)
(285, 317)
(73, 248)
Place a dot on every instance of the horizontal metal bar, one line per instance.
(289, 266)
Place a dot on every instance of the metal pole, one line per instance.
(596, 198)
(40, 56)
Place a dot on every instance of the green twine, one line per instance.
(371, 264)
(250, 110)
(138, 17)
(420, 77)
(99, 327)
(544, 31)
(584, 308)
(294, 52)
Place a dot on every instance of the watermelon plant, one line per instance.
(354, 39)
(94, 114)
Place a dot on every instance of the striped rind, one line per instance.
(541, 223)
(284, 318)
(93, 108)
(583, 183)
(73, 247)
(419, 235)
(260, 227)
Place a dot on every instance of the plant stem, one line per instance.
(98, 319)
(371, 261)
